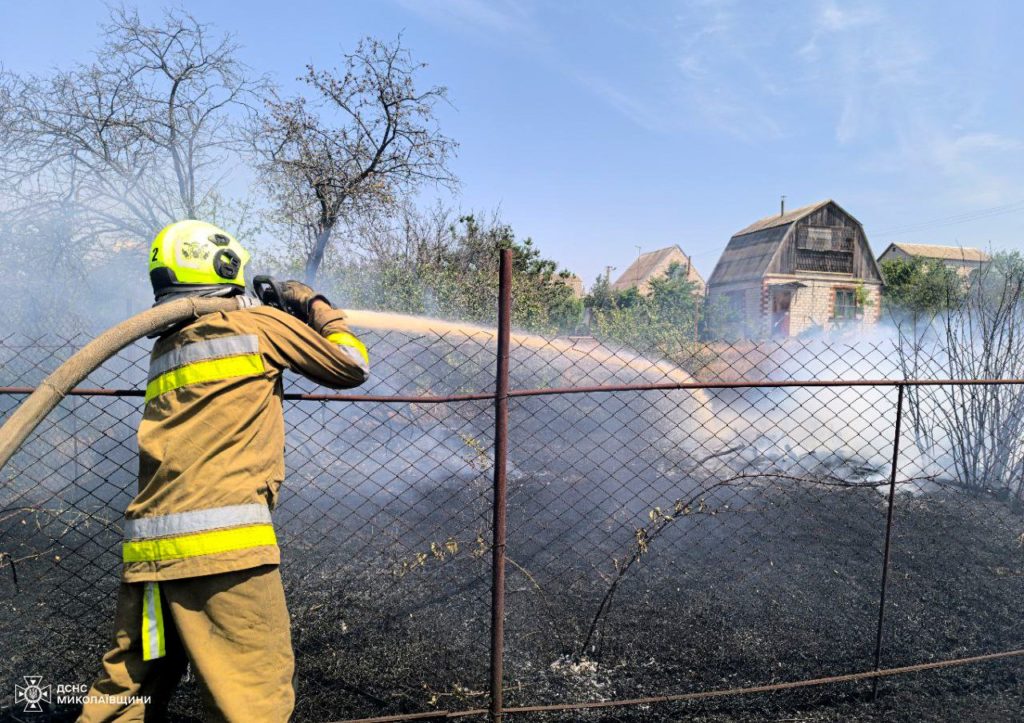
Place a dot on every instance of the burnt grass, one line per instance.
(782, 584)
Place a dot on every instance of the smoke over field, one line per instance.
(660, 542)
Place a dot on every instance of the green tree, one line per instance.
(917, 288)
(601, 295)
(466, 283)
(664, 322)
(432, 263)
(629, 298)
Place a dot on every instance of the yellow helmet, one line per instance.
(196, 258)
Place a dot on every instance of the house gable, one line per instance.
(826, 240)
(784, 243)
(654, 264)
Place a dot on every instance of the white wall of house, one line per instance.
(813, 305)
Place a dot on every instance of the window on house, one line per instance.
(832, 262)
(825, 249)
(845, 306)
(838, 239)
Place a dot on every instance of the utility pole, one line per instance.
(608, 274)
(636, 280)
(782, 205)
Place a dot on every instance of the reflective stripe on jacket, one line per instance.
(211, 440)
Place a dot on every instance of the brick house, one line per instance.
(654, 264)
(810, 268)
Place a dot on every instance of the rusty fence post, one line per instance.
(501, 386)
(888, 535)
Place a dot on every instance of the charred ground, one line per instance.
(749, 560)
(795, 598)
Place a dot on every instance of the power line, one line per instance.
(953, 220)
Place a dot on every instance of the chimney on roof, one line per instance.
(782, 206)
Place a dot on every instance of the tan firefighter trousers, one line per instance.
(234, 629)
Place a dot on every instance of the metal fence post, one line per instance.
(500, 457)
(888, 535)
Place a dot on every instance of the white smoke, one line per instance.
(841, 432)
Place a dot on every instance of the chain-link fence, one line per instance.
(750, 515)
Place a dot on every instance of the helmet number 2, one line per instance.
(155, 252)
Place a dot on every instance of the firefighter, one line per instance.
(200, 583)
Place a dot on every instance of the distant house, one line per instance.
(963, 259)
(575, 283)
(787, 273)
(653, 264)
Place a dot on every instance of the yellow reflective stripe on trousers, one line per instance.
(153, 643)
(202, 543)
(205, 371)
(344, 339)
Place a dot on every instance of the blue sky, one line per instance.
(598, 127)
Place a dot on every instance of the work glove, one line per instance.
(298, 299)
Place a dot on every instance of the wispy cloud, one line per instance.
(518, 22)
(864, 80)
(727, 79)
(506, 17)
(633, 107)
(900, 106)
(830, 18)
(972, 168)
(864, 63)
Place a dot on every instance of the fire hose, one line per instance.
(51, 390)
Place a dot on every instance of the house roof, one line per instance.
(782, 219)
(748, 255)
(750, 251)
(934, 251)
(651, 263)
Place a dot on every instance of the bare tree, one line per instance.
(136, 138)
(981, 336)
(367, 137)
(410, 237)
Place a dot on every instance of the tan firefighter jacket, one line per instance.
(211, 440)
